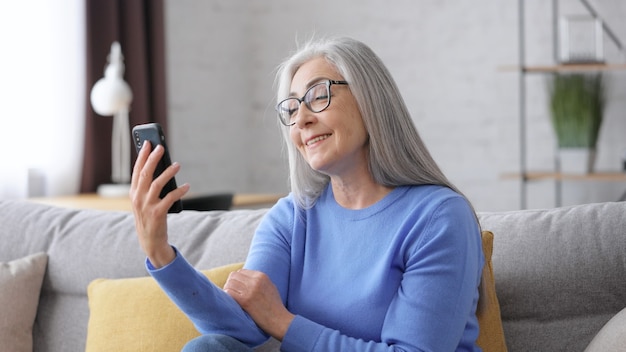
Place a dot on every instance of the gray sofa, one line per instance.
(559, 272)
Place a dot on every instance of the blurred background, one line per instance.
(456, 63)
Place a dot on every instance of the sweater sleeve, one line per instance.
(270, 250)
(436, 302)
(209, 308)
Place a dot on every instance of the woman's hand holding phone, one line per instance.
(149, 208)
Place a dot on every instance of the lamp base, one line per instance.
(114, 190)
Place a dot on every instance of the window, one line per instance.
(42, 90)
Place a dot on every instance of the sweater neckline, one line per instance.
(359, 214)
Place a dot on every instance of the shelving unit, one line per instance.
(526, 175)
(550, 175)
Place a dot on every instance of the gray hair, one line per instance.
(397, 155)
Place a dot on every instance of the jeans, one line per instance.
(215, 343)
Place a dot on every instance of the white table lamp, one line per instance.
(111, 95)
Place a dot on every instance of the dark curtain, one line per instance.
(138, 25)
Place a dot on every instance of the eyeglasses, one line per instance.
(316, 99)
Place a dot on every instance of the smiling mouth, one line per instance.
(317, 139)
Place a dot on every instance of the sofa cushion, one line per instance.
(20, 285)
(135, 315)
(612, 336)
(491, 334)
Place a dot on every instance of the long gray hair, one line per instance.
(397, 155)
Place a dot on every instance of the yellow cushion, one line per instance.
(135, 315)
(491, 335)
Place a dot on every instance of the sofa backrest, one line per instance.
(83, 245)
(559, 273)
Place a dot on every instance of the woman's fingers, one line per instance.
(245, 287)
(157, 185)
(258, 296)
(143, 154)
(250, 287)
(145, 191)
(175, 194)
(146, 182)
(141, 159)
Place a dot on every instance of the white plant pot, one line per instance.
(577, 160)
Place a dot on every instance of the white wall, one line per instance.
(445, 56)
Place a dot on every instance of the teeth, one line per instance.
(317, 139)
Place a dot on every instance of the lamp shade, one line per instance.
(111, 94)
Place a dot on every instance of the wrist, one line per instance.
(281, 325)
(162, 256)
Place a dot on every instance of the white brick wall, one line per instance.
(444, 55)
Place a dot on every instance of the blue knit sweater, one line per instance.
(400, 275)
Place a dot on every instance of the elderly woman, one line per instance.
(373, 249)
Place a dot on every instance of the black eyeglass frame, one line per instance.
(328, 83)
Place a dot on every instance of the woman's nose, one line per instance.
(304, 115)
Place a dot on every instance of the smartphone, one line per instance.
(153, 133)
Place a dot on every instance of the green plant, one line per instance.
(576, 106)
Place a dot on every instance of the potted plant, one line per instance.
(576, 106)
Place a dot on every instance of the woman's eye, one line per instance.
(321, 97)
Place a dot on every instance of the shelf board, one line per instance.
(596, 176)
(566, 68)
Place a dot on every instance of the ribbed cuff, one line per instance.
(301, 336)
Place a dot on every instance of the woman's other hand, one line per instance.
(258, 296)
(150, 210)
